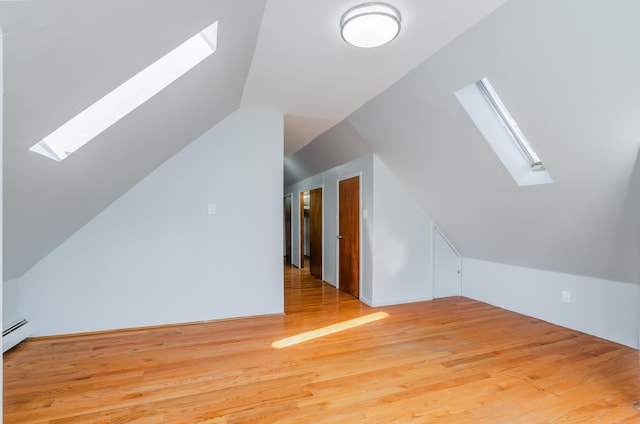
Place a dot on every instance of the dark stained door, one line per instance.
(349, 236)
(315, 232)
(287, 229)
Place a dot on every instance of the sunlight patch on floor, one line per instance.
(330, 329)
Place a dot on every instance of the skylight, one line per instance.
(502, 133)
(92, 121)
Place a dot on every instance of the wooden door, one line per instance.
(287, 229)
(315, 232)
(301, 230)
(349, 236)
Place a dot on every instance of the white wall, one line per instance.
(402, 258)
(607, 309)
(1, 194)
(10, 303)
(155, 256)
(446, 267)
(395, 235)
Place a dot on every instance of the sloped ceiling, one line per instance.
(336, 146)
(302, 68)
(568, 72)
(60, 56)
(63, 55)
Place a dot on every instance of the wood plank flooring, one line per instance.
(447, 361)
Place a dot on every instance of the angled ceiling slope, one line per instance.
(304, 69)
(336, 146)
(63, 55)
(568, 72)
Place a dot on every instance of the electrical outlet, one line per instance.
(566, 296)
(211, 209)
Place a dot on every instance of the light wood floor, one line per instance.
(446, 361)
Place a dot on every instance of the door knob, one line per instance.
(339, 237)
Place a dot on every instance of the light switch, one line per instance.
(212, 209)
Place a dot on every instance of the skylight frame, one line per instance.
(127, 97)
(502, 133)
(509, 123)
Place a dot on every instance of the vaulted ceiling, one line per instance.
(62, 55)
(567, 70)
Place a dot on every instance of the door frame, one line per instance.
(342, 178)
(284, 223)
(324, 239)
(434, 229)
(302, 232)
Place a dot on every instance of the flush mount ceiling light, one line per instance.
(370, 25)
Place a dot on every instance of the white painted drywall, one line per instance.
(401, 243)
(10, 302)
(574, 92)
(155, 256)
(607, 309)
(1, 196)
(446, 267)
(63, 56)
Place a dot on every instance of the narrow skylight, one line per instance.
(509, 123)
(502, 133)
(92, 121)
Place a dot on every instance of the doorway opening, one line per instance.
(287, 229)
(311, 245)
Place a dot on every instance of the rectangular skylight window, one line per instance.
(502, 133)
(92, 121)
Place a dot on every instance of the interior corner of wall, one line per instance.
(367, 301)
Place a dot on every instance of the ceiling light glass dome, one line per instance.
(370, 25)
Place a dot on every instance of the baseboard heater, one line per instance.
(15, 334)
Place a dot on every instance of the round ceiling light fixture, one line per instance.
(370, 25)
